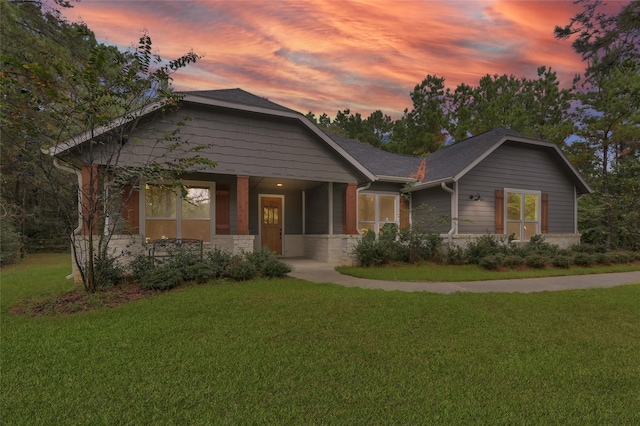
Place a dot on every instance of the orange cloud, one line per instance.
(326, 56)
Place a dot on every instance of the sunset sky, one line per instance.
(325, 56)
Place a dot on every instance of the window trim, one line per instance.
(376, 222)
(187, 183)
(522, 221)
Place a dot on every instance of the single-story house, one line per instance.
(283, 183)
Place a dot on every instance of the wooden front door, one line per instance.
(271, 227)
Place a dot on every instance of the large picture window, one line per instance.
(169, 215)
(523, 210)
(375, 210)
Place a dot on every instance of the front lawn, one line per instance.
(287, 351)
(454, 273)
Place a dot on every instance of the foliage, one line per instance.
(140, 266)
(241, 269)
(561, 261)
(412, 244)
(537, 261)
(584, 259)
(162, 277)
(9, 242)
(275, 268)
(483, 246)
(107, 271)
(491, 262)
(218, 261)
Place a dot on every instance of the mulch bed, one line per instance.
(79, 300)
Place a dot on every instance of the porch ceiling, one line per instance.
(271, 184)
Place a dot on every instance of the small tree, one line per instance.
(81, 112)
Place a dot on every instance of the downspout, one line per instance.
(454, 210)
(78, 173)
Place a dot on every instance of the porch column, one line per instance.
(89, 199)
(350, 217)
(243, 205)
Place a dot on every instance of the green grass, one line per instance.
(292, 352)
(452, 273)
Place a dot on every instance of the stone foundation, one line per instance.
(235, 244)
(123, 248)
(335, 249)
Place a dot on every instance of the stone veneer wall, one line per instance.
(235, 244)
(336, 249)
(561, 240)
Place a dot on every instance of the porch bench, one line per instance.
(165, 247)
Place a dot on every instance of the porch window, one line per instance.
(523, 210)
(168, 215)
(375, 210)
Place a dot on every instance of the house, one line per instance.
(283, 183)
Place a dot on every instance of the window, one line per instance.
(375, 210)
(523, 209)
(168, 215)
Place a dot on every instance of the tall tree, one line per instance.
(608, 114)
(536, 107)
(422, 130)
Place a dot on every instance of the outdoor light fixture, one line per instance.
(475, 197)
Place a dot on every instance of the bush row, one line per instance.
(183, 266)
(497, 261)
(394, 245)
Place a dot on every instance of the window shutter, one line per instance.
(544, 214)
(499, 211)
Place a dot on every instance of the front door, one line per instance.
(271, 227)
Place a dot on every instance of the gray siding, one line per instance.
(243, 144)
(431, 208)
(317, 221)
(516, 167)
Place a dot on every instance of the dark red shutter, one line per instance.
(499, 211)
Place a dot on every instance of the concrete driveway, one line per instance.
(316, 271)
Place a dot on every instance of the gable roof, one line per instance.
(238, 96)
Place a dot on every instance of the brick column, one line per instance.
(89, 199)
(242, 201)
(350, 216)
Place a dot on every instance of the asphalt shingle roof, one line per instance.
(239, 96)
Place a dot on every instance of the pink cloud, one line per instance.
(326, 56)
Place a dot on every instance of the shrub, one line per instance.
(513, 261)
(620, 257)
(419, 244)
(454, 255)
(587, 248)
(107, 271)
(163, 277)
(561, 261)
(601, 259)
(218, 261)
(140, 266)
(484, 246)
(491, 262)
(187, 263)
(536, 261)
(275, 268)
(583, 259)
(368, 251)
(241, 269)
(260, 258)
(537, 245)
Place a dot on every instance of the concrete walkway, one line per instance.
(316, 271)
